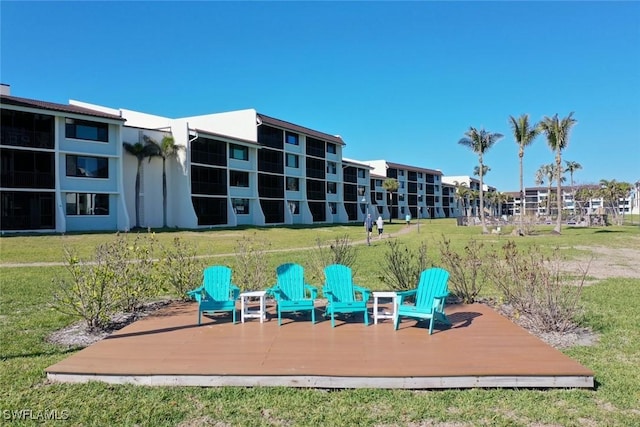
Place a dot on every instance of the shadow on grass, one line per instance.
(72, 349)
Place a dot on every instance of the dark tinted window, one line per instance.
(270, 137)
(209, 151)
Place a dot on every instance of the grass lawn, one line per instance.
(26, 319)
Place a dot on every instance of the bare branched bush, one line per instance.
(402, 266)
(121, 278)
(536, 288)
(340, 251)
(251, 271)
(466, 271)
(525, 226)
(90, 291)
(179, 269)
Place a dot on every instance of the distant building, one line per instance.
(419, 190)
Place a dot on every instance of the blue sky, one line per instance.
(401, 81)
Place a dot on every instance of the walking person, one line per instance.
(380, 226)
(368, 226)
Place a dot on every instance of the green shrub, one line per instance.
(89, 293)
(252, 268)
(179, 268)
(121, 278)
(134, 266)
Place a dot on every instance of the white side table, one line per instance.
(260, 313)
(377, 315)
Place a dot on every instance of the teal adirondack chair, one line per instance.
(292, 293)
(342, 293)
(429, 298)
(217, 293)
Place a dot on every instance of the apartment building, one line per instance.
(464, 206)
(228, 169)
(61, 167)
(536, 199)
(419, 192)
(65, 168)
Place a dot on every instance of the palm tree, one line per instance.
(583, 195)
(571, 168)
(462, 196)
(485, 169)
(390, 185)
(167, 149)
(497, 199)
(611, 192)
(480, 141)
(524, 134)
(557, 133)
(141, 151)
(544, 175)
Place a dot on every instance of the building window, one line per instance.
(401, 184)
(238, 179)
(361, 173)
(87, 167)
(292, 138)
(420, 175)
(90, 131)
(292, 161)
(331, 188)
(238, 152)
(400, 173)
(240, 206)
(379, 195)
(361, 191)
(332, 168)
(87, 204)
(378, 183)
(333, 208)
(331, 148)
(293, 184)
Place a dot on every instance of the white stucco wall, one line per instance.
(238, 124)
